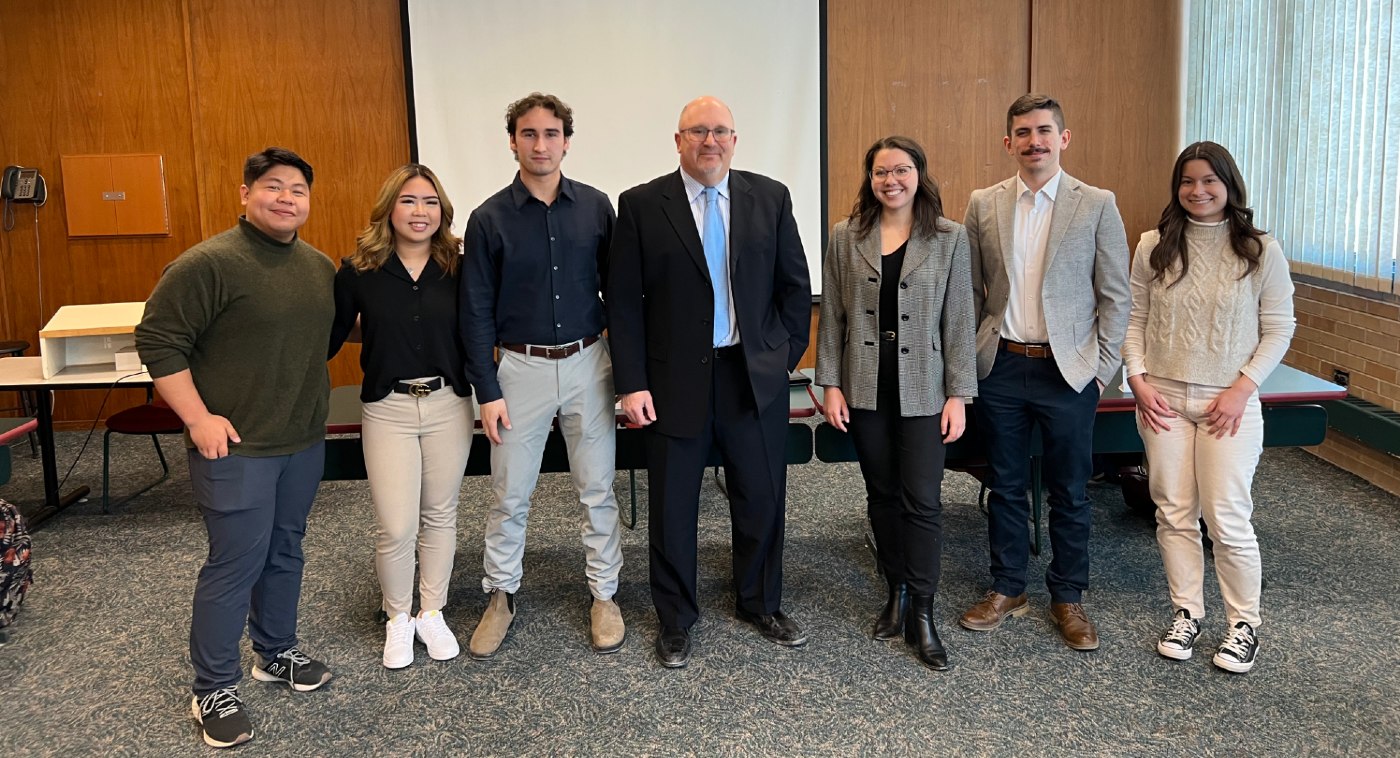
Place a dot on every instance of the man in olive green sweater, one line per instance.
(235, 337)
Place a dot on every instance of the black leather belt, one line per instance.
(729, 352)
(419, 389)
(552, 352)
(1028, 349)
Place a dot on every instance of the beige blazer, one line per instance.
(937, 358)
(1085, 295)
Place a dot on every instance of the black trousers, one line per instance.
(751, 446)
(902, 459)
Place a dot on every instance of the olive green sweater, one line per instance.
(250, 318)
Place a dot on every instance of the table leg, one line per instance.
(53, 500)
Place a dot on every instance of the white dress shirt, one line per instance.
(1025, 310)
(696, 192)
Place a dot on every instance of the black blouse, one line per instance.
(410, 329)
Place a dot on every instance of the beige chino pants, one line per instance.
(1192, 475)
(579, 391)
(416, 453)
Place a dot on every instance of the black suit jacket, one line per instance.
(661, 302)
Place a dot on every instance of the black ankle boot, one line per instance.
(919, 632)
(891, 620)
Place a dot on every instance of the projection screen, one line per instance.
(626, 67)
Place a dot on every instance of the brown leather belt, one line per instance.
(1030, 350)
(552, 352)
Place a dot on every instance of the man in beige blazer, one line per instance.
(1050, 287)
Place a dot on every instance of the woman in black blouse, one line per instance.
(401, 288)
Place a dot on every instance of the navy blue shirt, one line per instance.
(409, 327)
(532, 273)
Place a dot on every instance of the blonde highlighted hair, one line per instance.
(374, 245)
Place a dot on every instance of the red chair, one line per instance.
(152, 419)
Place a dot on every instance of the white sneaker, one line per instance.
(398, 641)
(433, 631)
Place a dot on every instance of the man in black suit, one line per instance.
(709, 305)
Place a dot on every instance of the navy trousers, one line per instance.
(255, 512)
(1021, 393)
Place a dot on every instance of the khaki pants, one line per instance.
(416, 453)
(1192, 475)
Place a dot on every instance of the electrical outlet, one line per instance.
(1341, 377)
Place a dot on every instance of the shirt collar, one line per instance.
(1050, 189)
(693, 187)
(520, 194)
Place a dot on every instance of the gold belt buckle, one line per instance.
(419, 389)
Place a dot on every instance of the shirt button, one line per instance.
(415, 318)
(415, 288)
(556, 268)
(551, 239)
(558, 326)
(556, 297)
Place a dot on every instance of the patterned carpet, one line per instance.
(98, 660)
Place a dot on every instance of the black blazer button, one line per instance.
(706, 359)
(905, 317)
(904, 285)
(904, 351)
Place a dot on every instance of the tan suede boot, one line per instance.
(495, 624)
(606, 624)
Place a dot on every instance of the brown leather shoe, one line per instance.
(1075, 627)
(993, 609)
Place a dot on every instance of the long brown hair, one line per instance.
(1244, 236)
(928, 204)
(376, 242)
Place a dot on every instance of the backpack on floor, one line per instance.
(15, 573)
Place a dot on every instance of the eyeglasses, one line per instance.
(699, 133)
(900, 172)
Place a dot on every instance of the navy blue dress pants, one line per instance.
(255, 511)
(1021, 393)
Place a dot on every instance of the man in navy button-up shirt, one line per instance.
(534, 266)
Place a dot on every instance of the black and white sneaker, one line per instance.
(223, 719)
(293, 667)
(1238, 650)
(1179, 640)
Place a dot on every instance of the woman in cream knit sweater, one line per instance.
(1212, 316)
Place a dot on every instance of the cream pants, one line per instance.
(1192, 475)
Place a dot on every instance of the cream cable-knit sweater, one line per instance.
(1212, 326)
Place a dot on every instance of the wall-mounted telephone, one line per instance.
(24, 185)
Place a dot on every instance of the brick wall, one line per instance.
(1358, 333)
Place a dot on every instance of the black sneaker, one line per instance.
(295, 668)
(1238, 650)
(221, 715)
(1177, 642)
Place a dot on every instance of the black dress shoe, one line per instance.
(673, 647)
(775, 626)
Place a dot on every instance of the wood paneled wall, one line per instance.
(1114, 68)
(204, 83)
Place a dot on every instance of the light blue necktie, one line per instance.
(713, 240)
